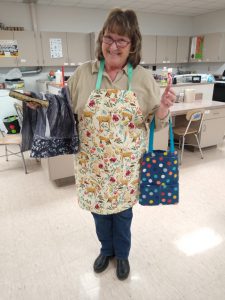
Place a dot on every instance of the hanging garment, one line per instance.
(51, 131)
(112, 140)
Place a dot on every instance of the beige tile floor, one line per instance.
(48, 244)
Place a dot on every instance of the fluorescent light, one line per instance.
(198, 241)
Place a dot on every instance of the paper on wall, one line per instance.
(56, 48)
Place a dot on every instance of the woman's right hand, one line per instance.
(33, 105)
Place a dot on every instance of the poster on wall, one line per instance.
(8, 48)
(56, 48)
(197, 44)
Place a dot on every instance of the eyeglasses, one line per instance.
(119, 43)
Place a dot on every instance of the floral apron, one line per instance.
(112, 136)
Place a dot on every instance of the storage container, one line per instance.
(189, 95)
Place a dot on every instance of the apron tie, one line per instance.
(100, 74)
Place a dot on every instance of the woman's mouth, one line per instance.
(113, 53)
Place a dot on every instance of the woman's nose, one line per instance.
(113, 46)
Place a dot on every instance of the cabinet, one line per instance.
(214, 47)
(213, 128)
(94, 37)
(54, 48)
(28, 55)
(183, 45)
(166, 47)
(7, 61)
(79, 47)
(27, 50)
(58, 167)
(65, 48)
(148, 49)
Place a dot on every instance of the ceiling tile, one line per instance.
(186, 7)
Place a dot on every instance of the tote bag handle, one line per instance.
(151, 136)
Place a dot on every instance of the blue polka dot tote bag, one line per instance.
(159, 179)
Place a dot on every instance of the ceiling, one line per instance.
(169, 7)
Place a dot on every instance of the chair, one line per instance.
(19, 111)
(12, 139)
(191, 127)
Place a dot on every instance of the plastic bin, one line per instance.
(12, 125)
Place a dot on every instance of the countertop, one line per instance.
(187, 84)
(182, 108)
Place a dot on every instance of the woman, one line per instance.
(114, 98)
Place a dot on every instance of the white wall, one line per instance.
(165, 24)
(15, 15)
(89, 20)
(64, 18)
(208, 23)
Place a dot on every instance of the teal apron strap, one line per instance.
(151, 136)
(100, 73)
(130, 75)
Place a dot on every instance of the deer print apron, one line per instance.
(112, 136)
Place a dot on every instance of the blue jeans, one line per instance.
(113, 232)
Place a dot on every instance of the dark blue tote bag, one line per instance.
(159, 178)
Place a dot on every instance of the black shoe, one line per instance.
(122, 269)
(101, 263)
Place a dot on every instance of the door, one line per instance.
(212, 132)
(79, 49)
(161, 48)
(171, 49)
(54, 48)
(183, 45)
(27, 47)
(148, 49)
(93, 43)
(212, 47)
(166, 49)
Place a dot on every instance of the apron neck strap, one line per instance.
(100, 74)
(130, 75)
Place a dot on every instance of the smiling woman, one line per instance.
(114, 97)
(123, 26)
(115, 55)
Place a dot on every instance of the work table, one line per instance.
(182, 108)
(186, 84)
(204, 90)
(213, 126)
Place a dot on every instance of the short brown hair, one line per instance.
(122, 23)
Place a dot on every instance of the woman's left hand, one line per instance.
(169, 96)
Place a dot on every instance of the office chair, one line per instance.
(192, 126)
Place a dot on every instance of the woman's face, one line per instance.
(115, 49)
